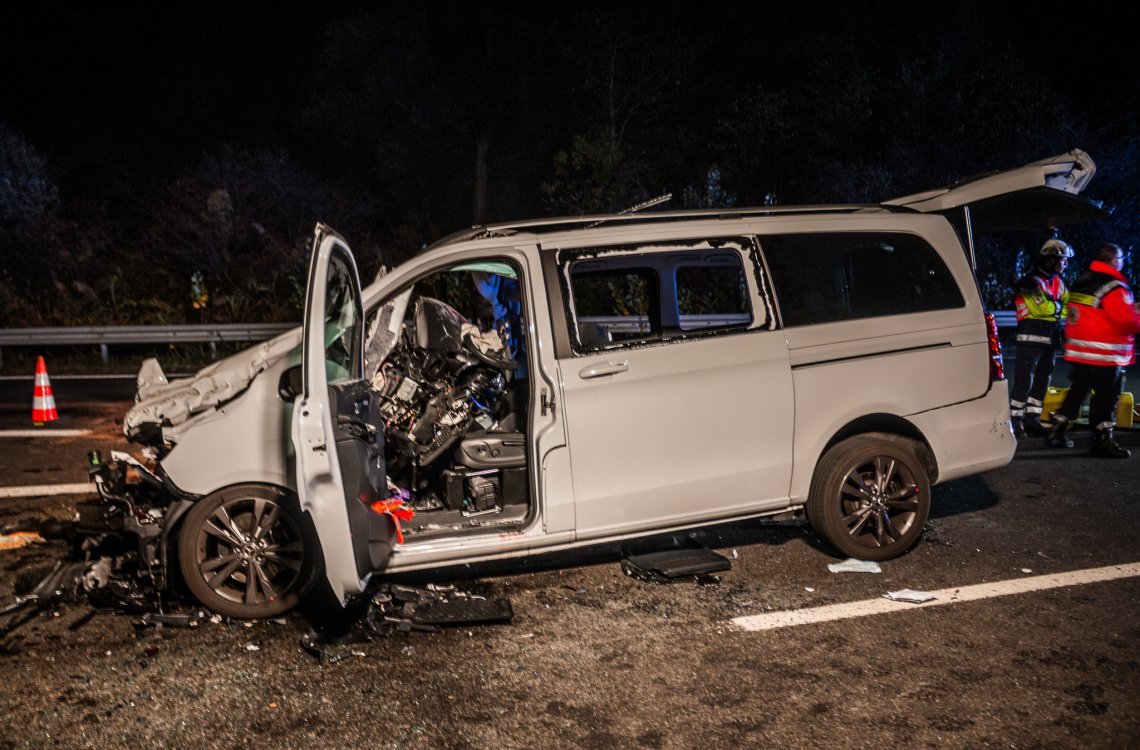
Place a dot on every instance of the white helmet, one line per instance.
(1060, 248)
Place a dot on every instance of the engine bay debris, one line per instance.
(101, 573)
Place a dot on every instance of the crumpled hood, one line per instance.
(163, 403)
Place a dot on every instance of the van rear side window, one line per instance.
(712, 296)
(822, 278)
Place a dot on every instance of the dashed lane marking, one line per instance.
(45, 490)
(956, 595)
(43, 433)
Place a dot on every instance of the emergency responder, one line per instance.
(1099, 339)
(1040, 297)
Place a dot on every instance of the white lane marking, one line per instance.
(43, 433)
(44, 490)
(790, 618)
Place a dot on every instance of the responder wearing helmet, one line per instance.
(1041, 299)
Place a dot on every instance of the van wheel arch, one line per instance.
(889, 424)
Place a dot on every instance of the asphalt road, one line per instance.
(594, 659)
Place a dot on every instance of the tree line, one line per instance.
(410, 126)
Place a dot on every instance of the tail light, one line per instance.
(997, 368)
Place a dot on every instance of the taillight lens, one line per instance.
(997, 368)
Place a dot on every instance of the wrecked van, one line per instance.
(548, 384)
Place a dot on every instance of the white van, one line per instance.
(549, 384)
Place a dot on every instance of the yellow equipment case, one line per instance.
(1125, 407)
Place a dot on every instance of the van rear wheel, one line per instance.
(870, 496)
(246, 552)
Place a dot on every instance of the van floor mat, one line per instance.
(674, 564)
(464, 612)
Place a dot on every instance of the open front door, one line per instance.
(340, 453)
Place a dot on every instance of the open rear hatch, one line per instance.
(1045, 194)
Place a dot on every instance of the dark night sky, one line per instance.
(150, 86)
(180, 138)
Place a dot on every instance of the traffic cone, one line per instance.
(43, 406)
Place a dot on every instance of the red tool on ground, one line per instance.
(43, 406)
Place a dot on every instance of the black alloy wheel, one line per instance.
(246, 552)
(870, 496)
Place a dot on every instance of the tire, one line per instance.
(870, 496)
(247, 552)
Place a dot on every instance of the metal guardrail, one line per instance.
(1005, 318)
(103, 336)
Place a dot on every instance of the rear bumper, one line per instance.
(971, 437)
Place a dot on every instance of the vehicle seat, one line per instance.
(492, 450)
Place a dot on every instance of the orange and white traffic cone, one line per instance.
(43, 406)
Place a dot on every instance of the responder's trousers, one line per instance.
(1106, 382)
(1030, 380)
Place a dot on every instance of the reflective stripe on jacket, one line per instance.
(1040, 297)
(1041, 304)
(1102, 320)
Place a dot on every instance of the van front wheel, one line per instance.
(870, 496)
(245, 551)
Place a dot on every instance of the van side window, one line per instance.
(615, 305)
(628, 295)
(822, 278)
(712, 296)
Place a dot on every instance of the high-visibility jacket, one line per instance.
(1041, 302)
(1103, 321)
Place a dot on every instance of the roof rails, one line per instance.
(570, 223)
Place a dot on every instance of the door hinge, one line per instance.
(546, 403)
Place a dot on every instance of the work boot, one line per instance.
(1059, 434)
(1018, 428)
(1034, 428)
(1103, 444)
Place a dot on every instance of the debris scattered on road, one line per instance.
(1026, 570)
(19, 539)
(851, 565)
(396, 608)
(910, 595)
(60, 584)
(177, 620)
(668, 566)
(70, 581)
(809, 589)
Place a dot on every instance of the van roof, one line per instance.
(582, 223)
(1039, 195)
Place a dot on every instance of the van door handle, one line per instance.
(600, 371)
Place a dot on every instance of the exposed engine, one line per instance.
(445, 386)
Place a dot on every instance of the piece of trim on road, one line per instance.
(46, 490)
(865, 608)
(43, 433)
